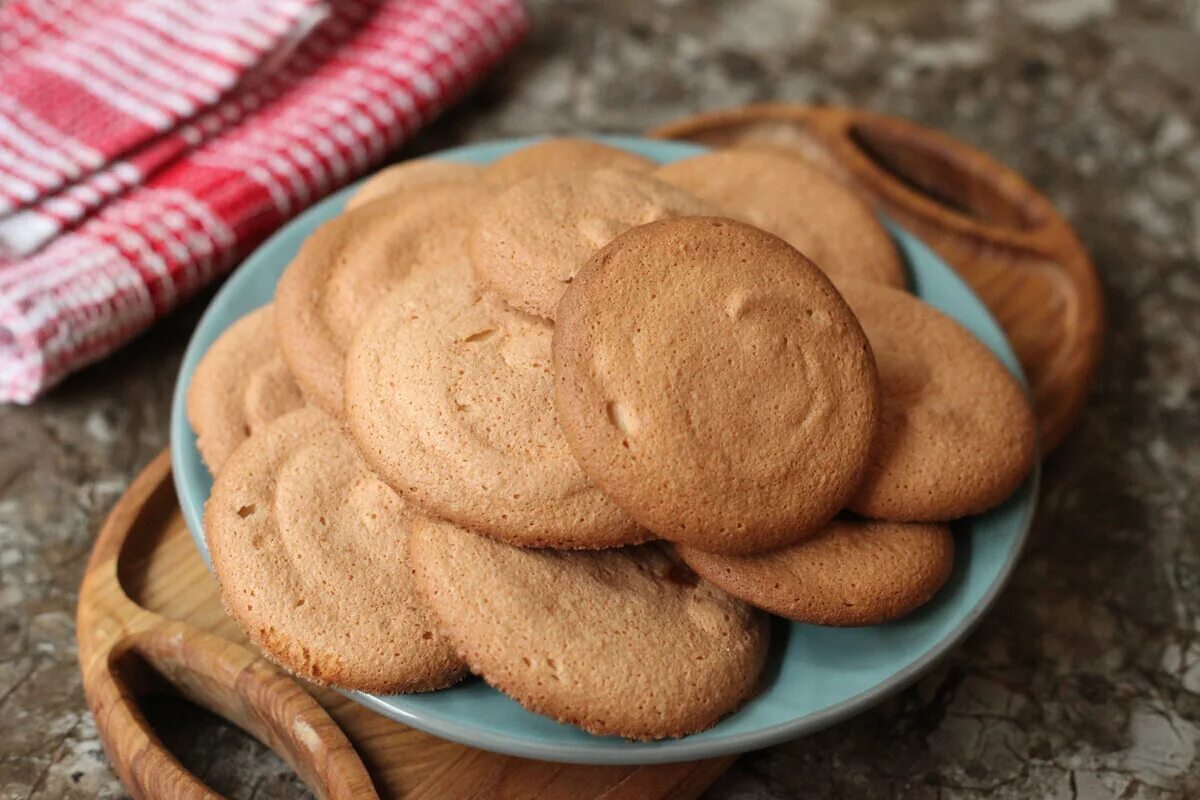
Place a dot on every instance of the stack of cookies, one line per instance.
(574, 421)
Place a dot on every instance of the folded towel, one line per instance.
(147, 145)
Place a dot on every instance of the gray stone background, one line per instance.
(1085, 681)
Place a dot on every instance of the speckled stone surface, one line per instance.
(1085, 681)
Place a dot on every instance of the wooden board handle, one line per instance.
(1002, 235)
(146, 767)
(934, 176)
(127, 651)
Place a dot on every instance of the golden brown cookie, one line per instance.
(799, 203)
(529, 243)
(352, 261)
(712, 381)
(619, 642)
(956, 434)
(311, 550)
(240, 384)
(449, 396)
(561, 154)
(407, 176)
(853, 572)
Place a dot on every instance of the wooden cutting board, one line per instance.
(150, 617)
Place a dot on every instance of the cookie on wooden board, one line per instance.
(853, 572)
(529, 243)
(240, 384)
(410, 176)
(713, 382)
(311, 551)
(797, 202)
(353, 260)
(956, 433)
(622, 642)
(449, 394)
(561, 154)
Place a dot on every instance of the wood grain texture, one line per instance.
(150, 619)
(1002, 235)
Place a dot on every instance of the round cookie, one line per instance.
(956, 433)
(797, 202)
(854, 572)
(353, 260)
(311, 551)
(559, 155)
(449, 396)
(240, 384)
(528, 245)
(618, 642)
(712, 381)
(409, 175)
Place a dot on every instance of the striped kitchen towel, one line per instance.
(147, 145)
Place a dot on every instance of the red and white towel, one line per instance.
(147, 145)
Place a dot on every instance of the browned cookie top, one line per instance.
(311, 550)
(528, 244)
(408, 176)
(853, 572)
(352, 261)
(561, 154)
(624, 642)
(449, 395)
(796, 201)
(712, 381)
(956, 433)
(241, 384)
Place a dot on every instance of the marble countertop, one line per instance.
(1085, 680)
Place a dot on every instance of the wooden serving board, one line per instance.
(150, 617)
(995, 229)
(150, 620)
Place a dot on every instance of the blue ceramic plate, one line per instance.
(815, 677)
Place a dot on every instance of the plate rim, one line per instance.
(663, 751)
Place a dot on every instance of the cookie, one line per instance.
(560, 155)
(409, 175)
(712, 381)
(956, 433)
(854, 572)
(311, 551)
(528, 245)
(619, 642)
(797, 202)
(777, 126)
(240, 384)
(352, 261)
(449, 396)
